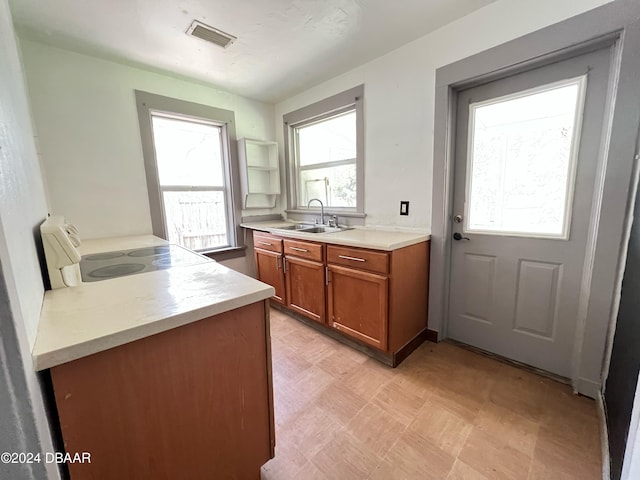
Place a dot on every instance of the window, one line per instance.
(522, 161)
(189, 168)
(325, 143)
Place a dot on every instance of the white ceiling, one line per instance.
(283, 46)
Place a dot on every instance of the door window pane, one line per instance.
(522, 161)
(188, 153)
(196, 220)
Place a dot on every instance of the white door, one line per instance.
(525, 163)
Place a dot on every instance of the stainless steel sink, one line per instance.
(297, 226)
(307, 228)
(325, 229)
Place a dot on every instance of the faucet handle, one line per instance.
(333, 221)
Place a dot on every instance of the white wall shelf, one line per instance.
(259, 173)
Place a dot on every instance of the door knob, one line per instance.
(457, 219)
(457, 236)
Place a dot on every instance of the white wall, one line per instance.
(85, 115)
(23, 207)
(399, 101)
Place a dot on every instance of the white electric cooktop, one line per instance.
(103, 266)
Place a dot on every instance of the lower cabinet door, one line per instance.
(357, 304)
(305, 287)
(269, 269)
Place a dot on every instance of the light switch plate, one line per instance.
(404, 207)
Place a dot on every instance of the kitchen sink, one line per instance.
(325, 229)
(297, 226)
(306, 228)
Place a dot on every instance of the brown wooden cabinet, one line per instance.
(192, 402)
(270, 264)
(377, 298)
(305, 278)
(357, 304)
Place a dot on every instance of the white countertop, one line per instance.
(79, 321)
(378, 239)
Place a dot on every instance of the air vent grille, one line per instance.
(210, 34)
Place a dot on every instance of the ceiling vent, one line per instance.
(210, 34)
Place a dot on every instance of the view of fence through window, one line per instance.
(326, 154)
(521, 161)
(192, 181)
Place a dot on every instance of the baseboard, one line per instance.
(604, 436)
(588, 388)
(432, 336)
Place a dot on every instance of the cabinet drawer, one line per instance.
(308, 250)
(371, 260)
(267, 242)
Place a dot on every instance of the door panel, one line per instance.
(269, 270)
(526, 178)
(358, 304)
(305, 288)
(536, 298)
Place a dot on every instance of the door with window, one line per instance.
(525, 165)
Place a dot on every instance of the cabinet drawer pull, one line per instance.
(266, 243)
(298, 249)
(355, 259)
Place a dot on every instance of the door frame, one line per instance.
(616, 24)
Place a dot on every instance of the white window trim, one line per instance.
(352, 99)
(149, 104)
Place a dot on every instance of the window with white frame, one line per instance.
(189, 168)
(325, 153)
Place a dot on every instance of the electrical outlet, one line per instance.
(404, 207)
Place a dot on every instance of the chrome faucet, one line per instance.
(321, 209)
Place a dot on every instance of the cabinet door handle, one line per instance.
(266, 243)
(284, 265)
(326, 275)
(299, 249)
(355, 259)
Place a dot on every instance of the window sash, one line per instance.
(149, 105)
(335, 105)
(298, 169)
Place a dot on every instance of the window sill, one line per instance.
(225, 253)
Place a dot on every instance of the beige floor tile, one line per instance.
(340, 402)
(413, 458)
(338, 365)
(375, 428)
(345, 457)
(508, 427)
(442, 427)
(523, 392)
(286, 463)
(341, 415)
(494, 459)
(462, 471)
(310, 430)
(368, 378)
(310, 472)
(400, 400)
(554, 453)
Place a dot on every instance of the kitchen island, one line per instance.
(165, 374)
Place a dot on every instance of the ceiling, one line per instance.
(283, 46)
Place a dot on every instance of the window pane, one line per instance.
(335, 186)
(196, 220)
(187, 153)
(328, 141)
(520, 162)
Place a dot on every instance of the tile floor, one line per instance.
(445, 413)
